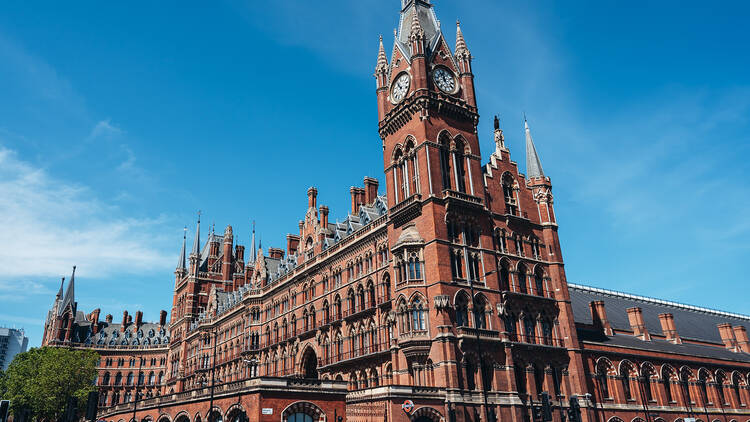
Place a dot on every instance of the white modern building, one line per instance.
(12, 342)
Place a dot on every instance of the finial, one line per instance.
(461, 47)
(184, 233)
(497, 123)
(382, 65)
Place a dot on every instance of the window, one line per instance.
(462, 317)
(445, 162)
(539, 283)
(418, 321)
(460, 171)
(504, 278)
(528, 329)
(456, 264)
(130, 378)
(511, 207)
(299, 417)
(480, 316)
(522, 279)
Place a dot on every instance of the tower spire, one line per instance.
(60, 292)
(252, 250)
(69, 298)
(181, 264)
(197, 241)
(382, 65)
(533, 164)
(461, 48)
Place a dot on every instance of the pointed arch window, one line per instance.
(480, 313)
(459, 164)
(462, 316)
(522, 279)
(445, 167)
(418, 315)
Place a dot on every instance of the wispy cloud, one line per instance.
(104, 129)
(52, 225)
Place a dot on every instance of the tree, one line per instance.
(42, 380)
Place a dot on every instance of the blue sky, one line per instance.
(118, 121)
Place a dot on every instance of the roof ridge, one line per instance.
(659, 301)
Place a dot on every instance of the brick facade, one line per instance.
(449, 290)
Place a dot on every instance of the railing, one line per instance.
(463, 330)
(540, 340)
(452, 194)
(352, 354)
(413, 334)
(516, 288)
(405, 203)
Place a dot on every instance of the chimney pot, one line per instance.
(371, 190)
(108, 318)
(668, 328)
(138, 319)
(324, 216)
(312, 197)
(163, 318)
(124, 321)
(727, 336)
(740, 334)
(599, 316)
(635, 316)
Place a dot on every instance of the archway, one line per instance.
(309, 364)
(427, 414)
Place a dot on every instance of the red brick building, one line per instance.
(446, 291)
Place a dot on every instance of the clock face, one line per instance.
(400, 87)
(444, 80)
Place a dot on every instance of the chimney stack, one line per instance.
(358, 196)
(124, 321)
(669, 329)
(275, 253)
(727, 336)
(312, 198)
(108, 318)
(163, 318)
(371, 190)
(292, 244)
(239, 253)
(599, 316)
(324, 217)
(226, 263)
(740, 334)
(635, 316)
(95, 320)
(138, 319)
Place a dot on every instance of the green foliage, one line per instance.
(43, 379)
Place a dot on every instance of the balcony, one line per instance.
(345, 357)
(536, 340)
(452, 196)
(406, 210)
(474, 332)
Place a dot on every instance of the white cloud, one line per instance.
(51, 225)
(104, 129)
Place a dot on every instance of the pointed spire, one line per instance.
(461, 47)
(533, 164)
(382, 66)
(60, 292)
(197, 240)
(69, 298)
(253, 254)
(181, 264)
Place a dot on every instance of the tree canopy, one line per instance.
(41, 380)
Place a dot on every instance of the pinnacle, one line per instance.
(382, 58)
(460, 42)
(416, 26)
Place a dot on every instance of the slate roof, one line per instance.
(692, 322)
(427, 20)
(659, 345)
(110, 334)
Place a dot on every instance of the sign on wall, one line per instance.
(267, 411)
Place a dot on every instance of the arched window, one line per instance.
(418, 320)
(511, 206)
(460, 170)
(105, 379)
(625, 379)
(528, 329)
(602, 376)
(539, 283)
(720, 380)
(736, 389)
(510, 326)
(504, 278)
(445, 165)
(522, 279)
(666, 379)
(462, 316)
(130, 378)
(480, 316)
